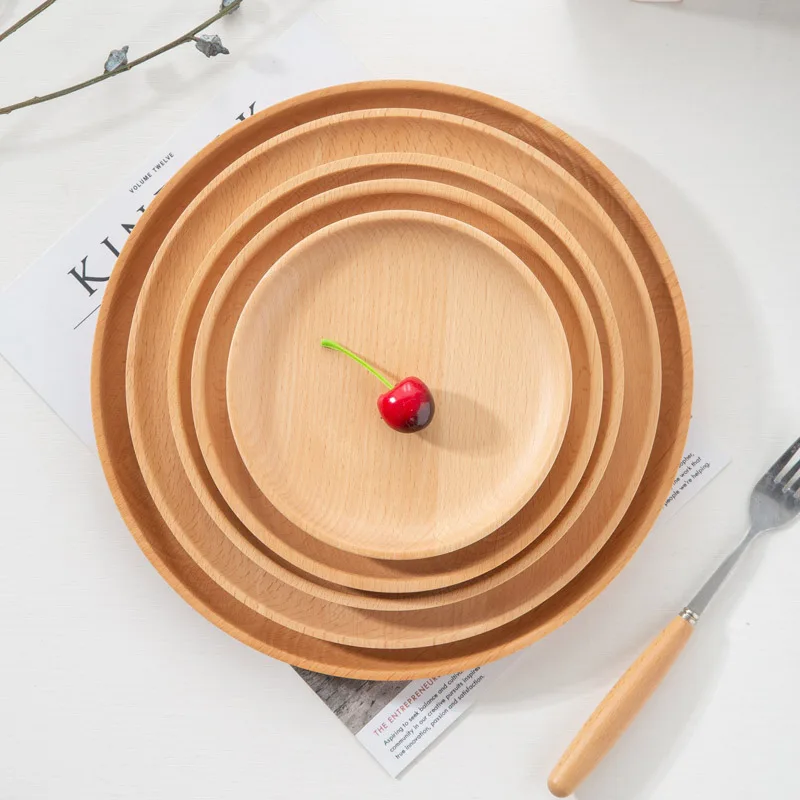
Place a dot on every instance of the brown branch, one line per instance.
(187, 37)
(27, 18)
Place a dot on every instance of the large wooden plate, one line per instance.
(228, 475)
(421, 294)
(155, 537)
(275, 599)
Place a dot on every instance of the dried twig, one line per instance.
(27, 18)
(118, 63)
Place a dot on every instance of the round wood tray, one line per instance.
(146, 358)
(155, 537)
(228, 474)
(424, 291)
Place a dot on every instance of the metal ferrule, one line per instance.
(689, 615)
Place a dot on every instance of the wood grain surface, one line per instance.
(137, 505)
(618, 708)
(422, 294)
(227, 474)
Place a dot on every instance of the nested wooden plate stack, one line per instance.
(438, 233)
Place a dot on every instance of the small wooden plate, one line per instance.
(435, 298)
(229, 475)
(126, 479)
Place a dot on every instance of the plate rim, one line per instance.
(620, 549)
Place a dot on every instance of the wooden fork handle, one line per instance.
(618, 708)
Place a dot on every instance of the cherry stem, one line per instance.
(331, 345)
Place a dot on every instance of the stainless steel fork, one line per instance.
(775, 502)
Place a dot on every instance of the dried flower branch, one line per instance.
(27, 18)
(117, 61)
(210, 46)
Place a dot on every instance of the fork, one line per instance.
(774, 503)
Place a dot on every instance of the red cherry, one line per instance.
(407, 407)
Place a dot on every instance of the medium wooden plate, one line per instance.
(424, 293)
(149, 528)
(233, 481)
(469, 617)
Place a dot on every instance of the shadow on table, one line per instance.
(608, 635)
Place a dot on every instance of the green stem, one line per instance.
(331, 345)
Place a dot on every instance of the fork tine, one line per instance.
(787, 476)
(773, 471)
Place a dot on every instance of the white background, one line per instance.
(111, 687)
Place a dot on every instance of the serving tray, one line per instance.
(154, 536)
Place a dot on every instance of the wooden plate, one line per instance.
(234, 482)
(425, 292)
(153, 534)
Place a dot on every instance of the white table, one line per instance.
(111, 686)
